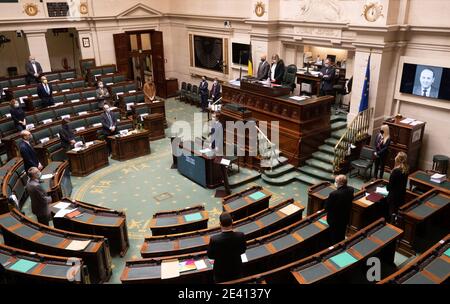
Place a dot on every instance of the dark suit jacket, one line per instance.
(263, 70)
(328, 77)
(215, 91)
(66, 135)
(338, 207)
(39, 198)
(382, 148)
(47, 98)
(279, 71)
(106, 124)
(397, 189)
(203, 87)
(17, 114)
(30, 71)
(434, 92)
(29, 156)
(226, 249)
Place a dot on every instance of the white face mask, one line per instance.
(100, 86)
(39, 175)
(16, 105)
(336, 185)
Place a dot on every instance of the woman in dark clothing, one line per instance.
(381, 150)
(66, 135)
(397, 186)
(17, 115)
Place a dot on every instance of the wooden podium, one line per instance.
(132, 145)
(88, 160)
(154, 123)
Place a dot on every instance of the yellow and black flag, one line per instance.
(250, 62)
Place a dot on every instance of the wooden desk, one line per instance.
(256, 225)
(303, 125)
(314, 81)
(179, 221)
(154, 123)
(60, 185)
(198, 167)
(318, 194)
(21, 232)
(421, 180)
(133, 145)
(88, 160)
(97, 221)
(246, 202)
(171, 88)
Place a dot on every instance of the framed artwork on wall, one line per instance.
(86, 42)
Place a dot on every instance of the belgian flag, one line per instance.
(250, 62)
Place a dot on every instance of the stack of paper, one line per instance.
(169, 269)
(63, 212)
(382, 190)
(62, 205)
(290, 209)
(78, 245)
(47, 176)
(438, 178)
(244, 258)
(200, 264)
(407, 120)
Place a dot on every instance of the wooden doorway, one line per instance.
(140, 54)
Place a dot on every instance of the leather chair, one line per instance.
(290, 77)
(365, 162)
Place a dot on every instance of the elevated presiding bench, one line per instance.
(90, 219)
(431, 267)
(21, 232)
(30, 267)
(259, 224)
(246, 202)
(179, 221)
(420, 216)
(298, 239)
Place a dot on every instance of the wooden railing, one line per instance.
(357, 130)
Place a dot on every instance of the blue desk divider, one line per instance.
(257, 195)
(323, 220)
(193, 217)
(343, 259)
(23, 265)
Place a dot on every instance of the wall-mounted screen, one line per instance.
(208, 53)
(240, 53)
(426, 81)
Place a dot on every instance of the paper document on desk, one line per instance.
(200, 264)
(382, 190)
(225, 162)
(169, 269)
(63, 212)
(407, 120)
(235, 82)
(416, 122)
(244, 258)
(78, 245)
(206, 150)
(47, 176)
(62, 205)
(290, 209)
(438, 178)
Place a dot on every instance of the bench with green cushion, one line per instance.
(43, 133)
(68, 74)
(63, 111)
(41, 116)
(89, 93)
(7, 127)
(62, 86)
(77, 108)
(17, 82)
(108, 69)
(52, 76)
(72, 96)
(93, 120)
(77, 123)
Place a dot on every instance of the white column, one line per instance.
(37, 45)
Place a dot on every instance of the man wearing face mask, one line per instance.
(45, 92)
(203, 87)
(34, 70)
(263, 69)
(338, 207)
(39, 198)
(327, 73)
(102, 94)
(109, 124)
(17, 115)
(27, 152)
(215, 90)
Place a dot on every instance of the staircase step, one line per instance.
(275, 163)
(338, 125)
(307, 179)
(338, 134)
(331, 141)
(244, 176)
(276, 172)
(316, 173)
(281, 180)
(327, 149)
(335, 118)
(322, 156)
(320, 165)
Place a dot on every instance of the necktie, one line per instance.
(46, 88)
(424, 92)
(109, 119)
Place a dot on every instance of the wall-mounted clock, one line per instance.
(30, 9)
(372, 11)
(260, 9)
(84, 8)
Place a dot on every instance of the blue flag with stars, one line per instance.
(364, 103)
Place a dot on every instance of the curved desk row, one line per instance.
(90, 219)
(29, 267)
(21, 232)
(246, 202)
(259, 224)
(179, 221)
(301, 238)
(13, 181)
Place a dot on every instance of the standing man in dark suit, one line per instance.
(215, 90)
(34, 70)
(338, 207)
(226, 249)
(203, 87)
(109, 124)
(263, 68)
(39, 198)
(27, 152)
(328, 74)
(66, 135)
(18, 115)
(45, 92)
(277, 70)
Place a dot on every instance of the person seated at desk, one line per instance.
(39, 199)
(17, 115)
(66, 135)
(338, 207)
(226, 249)
(149, 90)
(45, 92)
(328, 74)
(102, 94)
(27, 152)
(277, 69)
(263, 68)
(397, 186)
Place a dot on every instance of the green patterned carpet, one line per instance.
(145, 185)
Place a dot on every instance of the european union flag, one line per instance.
(364, 103)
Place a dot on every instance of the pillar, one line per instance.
(37, 45)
